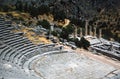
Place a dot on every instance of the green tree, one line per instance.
(44, 23)
(19, 5)
(66, 31)
(54, 33)
(34, 11)
(59, 15)
(82, 43)
(44, 9)
(26, 7)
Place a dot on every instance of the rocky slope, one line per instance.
(103, 14)
(72, 8)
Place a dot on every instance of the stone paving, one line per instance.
(71, 66)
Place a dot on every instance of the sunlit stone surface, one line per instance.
(71, 66)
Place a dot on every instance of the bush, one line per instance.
(59, 15)
(43, 9)
(66, 31)
(44, 23)
(54, 33)
(82, 43)
(85, 44)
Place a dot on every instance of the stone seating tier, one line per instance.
(16, 48)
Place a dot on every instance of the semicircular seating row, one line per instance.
(22, 52)
(18, 49)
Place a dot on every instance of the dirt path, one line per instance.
(102, 58)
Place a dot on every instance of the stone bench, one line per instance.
(10, 36)
(22, 48)
(14, 52)
(24, 52)
(15, 44)
(4, 31)
(28, 64)
(19, 33)
(2, 19)
(3, 56)
(6, 28)
(47, 45)
(5, 34)
(31, 54)
(2, 51)
(2, 22)
(43, 50)
(2, 25)
(12, 39)
(2, 46)
(15, 47)
(40, 44)
(15, 41)
(11, 42)
(25, 58)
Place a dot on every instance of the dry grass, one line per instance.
(36, 39)
(26, 17)
(50, 19)
(17, 15)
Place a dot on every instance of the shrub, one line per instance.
(44, 23)
(82, 43)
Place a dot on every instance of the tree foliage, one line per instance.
(59, 15)
(82, 43)
(66, 31)
(44, 23)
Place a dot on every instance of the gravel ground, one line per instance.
(71, 66)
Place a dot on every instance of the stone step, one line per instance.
(24, 51)
(21, 48)
(6, 28)
(12, 39)
(9, 36)
(2, 46)
(5, 34)
(4, 31)
(2, 51)
(3, 56)
(15, 44)
(11, 42)
(24, 59)
(20, 56)
(16, 47)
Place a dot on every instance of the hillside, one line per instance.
(103, 14)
